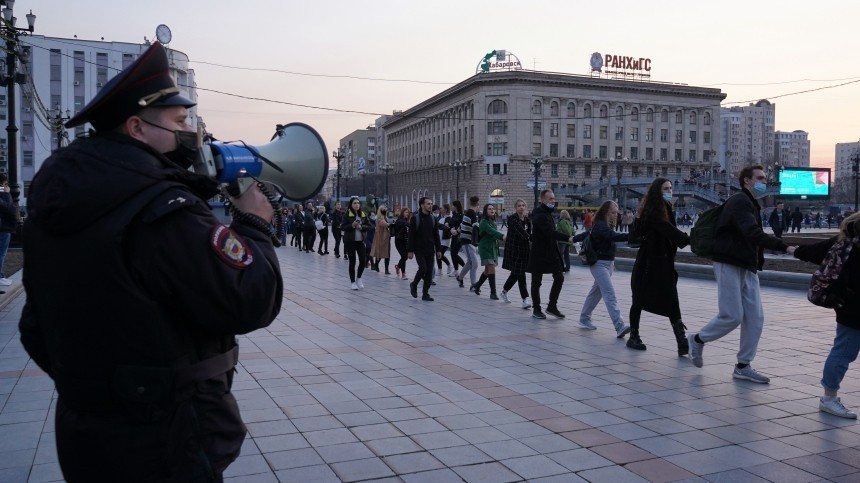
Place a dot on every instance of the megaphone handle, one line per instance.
(276, 229)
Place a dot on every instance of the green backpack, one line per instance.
(704, 233)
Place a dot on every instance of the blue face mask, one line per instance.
(550, 206)
(759, 188)
(667, 196)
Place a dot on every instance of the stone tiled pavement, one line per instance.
(374, 385)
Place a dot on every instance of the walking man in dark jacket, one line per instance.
(738, 255)
(545, 256)
(423, 243)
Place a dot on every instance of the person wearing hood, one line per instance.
(545, 257)
(142, 345)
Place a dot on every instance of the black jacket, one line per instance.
(545, 256)
(8, 216)
(739, 239)
(849, 277)
(423, 235)
(160, 288)
(603, 238)
(347, 228)
(654, 280)
(517, 244)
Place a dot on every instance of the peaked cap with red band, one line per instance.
(144, 83)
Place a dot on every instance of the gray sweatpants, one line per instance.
(739, 302)
(472, 262)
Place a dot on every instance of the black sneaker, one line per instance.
(413, 289)
(426, 297)
(554, 311)
(493, 296)
(460, 281)
(538, 315)
(635, 343)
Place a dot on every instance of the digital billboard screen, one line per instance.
(804, 183)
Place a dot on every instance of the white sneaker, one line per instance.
(359, 283)
(505, 297)
(586, 324)
(527, 303)
(750, 374)
(5, 282)
(449, 270)
(354, 286)
(834, 406)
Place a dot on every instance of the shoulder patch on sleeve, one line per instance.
(231, 248)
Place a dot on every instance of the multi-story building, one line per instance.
(747, 135)
(359, 151)
(792, 148)
(482, 135)
(59, 78)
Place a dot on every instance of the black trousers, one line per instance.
(554, 291)
(425, 271)
(323, 240)
(400, 245)
(519, 278)
(337, 236)
(354, 250)
(308, 236)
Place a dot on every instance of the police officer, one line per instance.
(135, 291)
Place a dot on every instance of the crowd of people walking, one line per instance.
(464, 240)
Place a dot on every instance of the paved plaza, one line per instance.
(375, 385)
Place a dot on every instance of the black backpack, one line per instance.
(587, 253)
(703, 235)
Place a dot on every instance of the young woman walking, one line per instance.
(401, 237)
(488, 249)
(654, 281)
(517, 244)
(380, 250)
(603, 238)
(355, 225)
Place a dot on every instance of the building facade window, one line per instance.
(679, 117)
(553, 150)
(586, 131)
(571, 171)
(634, 114)
(619, 133)
(619, 113)
(553, 109)
(536, 149)
(649, 115)
(706, 119)
(693, 117)
(634, 152)
(664, 135)
(571, 130)
(678, 155)
(693, 136)
(536, 128)
(586, 153)
(497, 127)
(586, 111)
(634, 133)
(679, 136)
(692, 155)
(553, 130)
(664, 116)
(649, 154)
(571, 110)
(602, 152)
(706, 137)
(664, 154)
(497, 149)
(571, 150)
(604, 132)
(619, 152)
(537, 108)
(588, 171)
(604, 112)
(553, 170)
(649, 134)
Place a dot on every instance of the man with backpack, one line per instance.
(738, 254)
(469, 243)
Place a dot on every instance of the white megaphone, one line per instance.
(295, 162)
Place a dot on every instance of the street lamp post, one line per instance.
(11, 33)
(536, 162)
(363, 175)
(457, 165)
(386, 168)
(338, 155)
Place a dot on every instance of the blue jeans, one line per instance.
(602, 288)
(5, 238)
(565, 255)
(844, 352)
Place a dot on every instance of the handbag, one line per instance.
(319, 224)
(587, 253)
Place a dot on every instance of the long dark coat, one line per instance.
(517, 244)
(545, 256)
(654, 279)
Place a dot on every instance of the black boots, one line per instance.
(492, 279)
(477, 287)
(678, 328)
(635, 342)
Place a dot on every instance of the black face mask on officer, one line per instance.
(186, 151)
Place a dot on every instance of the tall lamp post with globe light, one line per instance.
(536, 163)
(11, 33)
(338, 155)
(386, 168)
(457, 165)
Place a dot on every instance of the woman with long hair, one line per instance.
(323, 232)
(380, 250)
(517, 245)
(846, 345)
(603, 238)
(488, 249)
(654, 281)
(401, 238)
(355, 225)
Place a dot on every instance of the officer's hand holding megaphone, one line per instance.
(254, 202)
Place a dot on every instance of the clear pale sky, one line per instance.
(750, 49)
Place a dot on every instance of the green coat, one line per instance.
(566, 227)
(488, 245)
